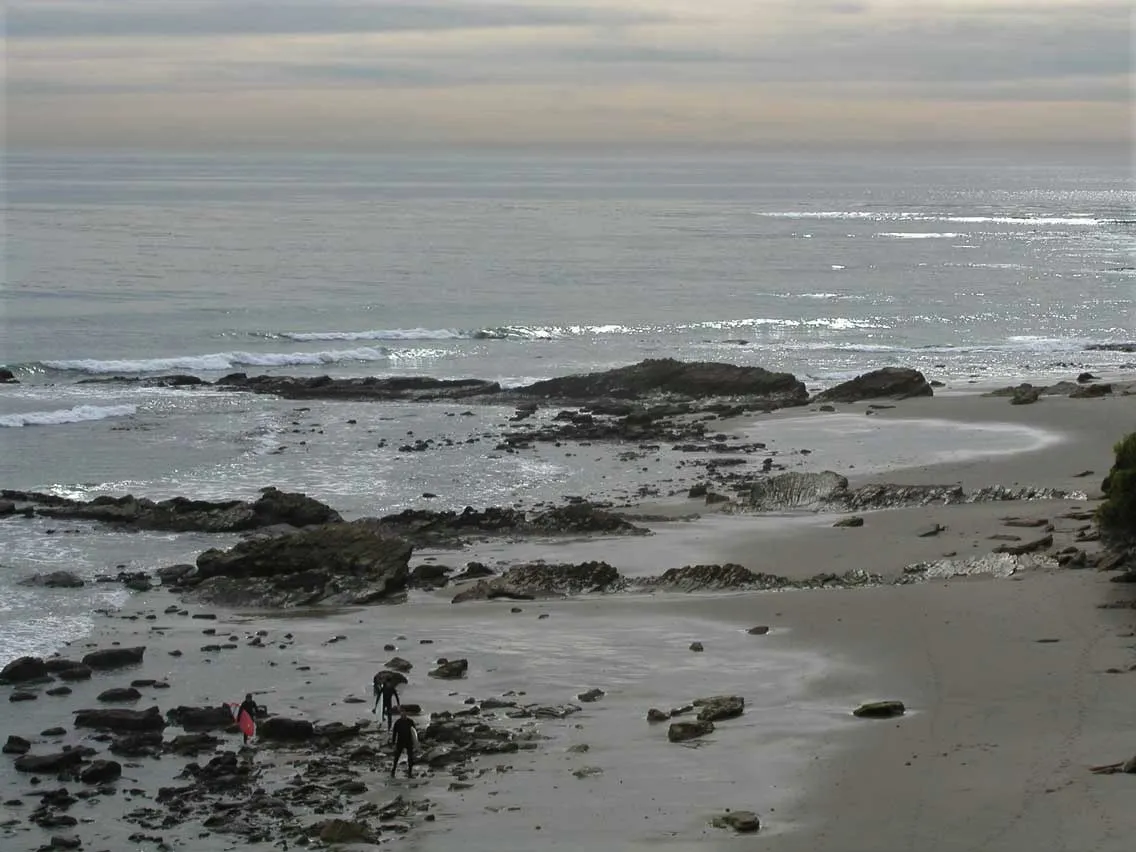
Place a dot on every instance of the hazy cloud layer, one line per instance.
(362, 74)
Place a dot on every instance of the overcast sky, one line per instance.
(360, 74)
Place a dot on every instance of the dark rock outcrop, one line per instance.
(179, 514)
(410, 388)
(114, 658)
(54, 580)
(287, 730)
(880, 710)
(119, 693)
(450, 669)
(23, 669)
(743, 822)
(536, 580)
(49, 763)
(668, 377)
(117, 719)
(101, 772)
(680, 732)
(885, 383)
(719, 707)
(343, 563)
(787, 491)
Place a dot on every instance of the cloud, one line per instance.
(393, 70)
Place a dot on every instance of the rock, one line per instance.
(851, 521)
(65, 841)
(101, 772)
(795, 491)
(680, 732)
(1042, 543)
(291, 730)
(190, 745)
(451, 670)
(429, 575)
(885, 383)
(23, 669)
(426, 528)
(656, 715)
(666, 376)
(54, 580)
(1129, 766)
(760, 630)
(117, 719)
(113, 658)
(1091, 392)
(74, 672)
(591, 695)
(8, 377)
(171, 574)
(411, 388)
(16, 745)
(1026, 394)
(743, 822)
(932, 530)
(47, 764)
(21, 695)
(700, 577)
(128, 693)
(1083, 378)
(587, 772)
(341, 563)
(697, 647)
(398, 664)
(180, 514)
(346, 831)
(528, 582)
(719, 707)
(880, 710)
(697, 491)
(201, 718)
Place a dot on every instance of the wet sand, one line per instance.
(993, 753)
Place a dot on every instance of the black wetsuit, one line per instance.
(403, 737)
(388, 694)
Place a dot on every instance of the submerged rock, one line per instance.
(719, 707)
(743, 822)
(680, 732)
(410, 388)
(54, 580)
(880, 710)
(113, 658)
(23, 669)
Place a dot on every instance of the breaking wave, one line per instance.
(901, 216)
(218, 361)
(78, 414)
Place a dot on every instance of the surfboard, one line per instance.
(244, 721)
(414, 737)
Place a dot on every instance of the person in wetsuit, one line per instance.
(403, 735)
(387, 692)
(248, 706)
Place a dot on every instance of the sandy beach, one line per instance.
(1014, 685)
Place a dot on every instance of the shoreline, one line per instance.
(842, 784)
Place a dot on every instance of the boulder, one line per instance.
(668, 377)
(201, 718)
(191, 745)
(346, 831)
(117, 719)
(74, 672)
(340, 563)
(1042, 543)
(680, 732)
(591, 695)
(719, 707)
(50, 763)
(885, 383)
(656, 715)
(743, 822)
(101, 772)
(54, 580)
(796, 491)
(288, 730)
(119, 693)
(851, 521)
(880, 710)
(411, 388)
(1025, 394)
(16, 745)
(23, 669)
(113, 658)
(398, 664)
(450, 669)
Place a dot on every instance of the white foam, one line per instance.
(220, 361)
(921, 235)
(78, 414)
(902, 216)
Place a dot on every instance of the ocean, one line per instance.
(503, 267)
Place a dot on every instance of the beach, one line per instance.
(1015, 682)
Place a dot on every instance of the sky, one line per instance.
(378, 74)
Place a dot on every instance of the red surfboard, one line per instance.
(244, 720)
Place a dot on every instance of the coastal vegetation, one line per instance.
(1117, 514)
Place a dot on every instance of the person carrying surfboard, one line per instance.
(404, 734)
(246, 717)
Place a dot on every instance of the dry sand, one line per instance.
(992, 755)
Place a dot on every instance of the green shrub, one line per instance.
(1117, 515)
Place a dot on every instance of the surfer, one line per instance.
(405, 738)
(248, 709)
(387, 692)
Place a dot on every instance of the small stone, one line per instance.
(760, 630)
(696, 647)
(880, 710)
(743, 822)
